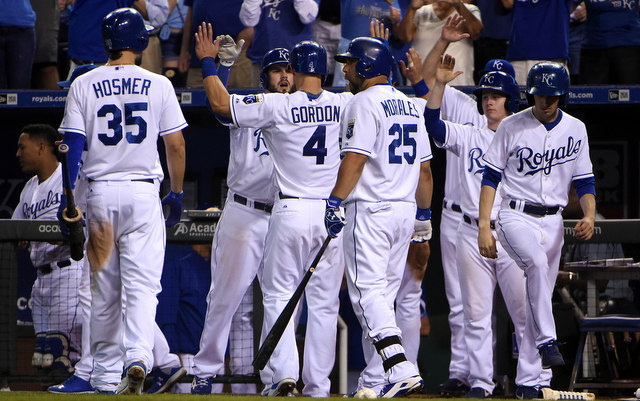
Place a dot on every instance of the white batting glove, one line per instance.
(422, 227)
(229, 50)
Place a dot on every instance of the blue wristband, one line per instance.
(334, 201)
(209, 67)
(421, 88)
(423, 214)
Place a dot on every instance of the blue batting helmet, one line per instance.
(373, 55)
(124, 29)
(309, 57)
(548, 79)
(79, 70)
(278, 55)
(501, 82)
(498, 64)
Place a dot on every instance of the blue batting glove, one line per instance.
(174, 201)
(333, 219)
(61, 222)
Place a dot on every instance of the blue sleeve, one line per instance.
(76, 144)
(585, 186)
(491, 177)
(435, 126)
(223, 74)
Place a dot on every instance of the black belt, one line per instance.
(454, 206)
(46, 269)
(535, 209)
(147, 180)
(283, 196)
(473, 221)
(256, 205)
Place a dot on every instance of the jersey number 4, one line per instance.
(403, 138)
(315, 146)
(115, 123)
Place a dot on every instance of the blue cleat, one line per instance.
(550, 354)
(477, 392)
(402, 388)
(201, 385)
(73, 385)
(164, 379)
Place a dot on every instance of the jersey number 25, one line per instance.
(403, 138)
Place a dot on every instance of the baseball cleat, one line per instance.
(453, 388)
(528, 392)
(477, 392)
(283, 388)
(73, 385)
(164, 379)
(133, 379)
(201, 385)
(550, 354)
(402, 388)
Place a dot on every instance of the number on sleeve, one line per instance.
(315, 146)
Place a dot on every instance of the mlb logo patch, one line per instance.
(350, 126)
(251, 99)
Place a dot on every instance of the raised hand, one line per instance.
(413, 71)
(205, 47)
(377, 30)
(229, 50)
(452, 29)
(445, 73)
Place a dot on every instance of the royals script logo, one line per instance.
(531, 162)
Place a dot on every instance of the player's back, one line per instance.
(122, 110)
(388, 127)
(301, 131)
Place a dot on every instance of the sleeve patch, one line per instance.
(350, 125)
(251, 99)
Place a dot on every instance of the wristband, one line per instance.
(423, 214)
(209, 67)
(421, 88)
(334, 201)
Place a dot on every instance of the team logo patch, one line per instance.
(350, 126)
(251, 99)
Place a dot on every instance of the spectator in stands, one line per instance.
(45, 63)
(494, 39)
(170, 44)
(326, 31)
(224, 17)
(55, 291)
(577, 26)
(539, 32)
(155, 13)
(17, 43)
(356, 16)
(277, 24)
(611, 47)
(422, 25)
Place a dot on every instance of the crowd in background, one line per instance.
(599, 42)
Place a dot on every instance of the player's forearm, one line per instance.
(424, 192)
(217, 96)
(349, 174)
(588, 205)
(487, 197)
(436, 94)
(430, 65)
(473, 26)
(175, 150)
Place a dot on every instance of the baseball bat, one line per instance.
(72, 215)
(272, 339)
(550, 394)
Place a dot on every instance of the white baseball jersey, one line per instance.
(457, 107)
(469, 144)
(393, 168)
(301, 131)
(537, 165)
(40, 201)
(122, 110)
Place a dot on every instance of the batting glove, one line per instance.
(174, 201)
(333, 219)
(64, 229)
(229, 50)
(422, 226)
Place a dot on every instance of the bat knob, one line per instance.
(63, 148)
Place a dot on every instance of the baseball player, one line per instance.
(537, 154)
(55, 291)
(497, 95)
(118, 111)
(301, 133)
(456, 107)
(382, 176)
(239, 240)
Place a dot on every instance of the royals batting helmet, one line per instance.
(309, 57)
(278, 55)
(124, 29)
(373, 55)
(498, 64)
(501, 82)
(548, 79)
